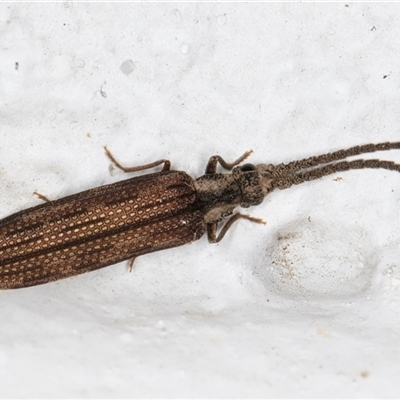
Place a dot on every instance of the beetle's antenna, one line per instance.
(338, 155)
(296, 177)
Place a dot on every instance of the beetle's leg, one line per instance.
(41, 196)
(211, 167)
(131, 261)
(212, 228)
(166, 167)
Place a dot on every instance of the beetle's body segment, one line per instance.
(98, 227)
(109, 224)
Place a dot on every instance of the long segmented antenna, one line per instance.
(286, 181)
(282, 176)
(340, 155)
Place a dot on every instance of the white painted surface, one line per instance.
(305, 306)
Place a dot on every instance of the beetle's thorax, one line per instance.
(219, 194)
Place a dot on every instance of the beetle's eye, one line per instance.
(248, 167)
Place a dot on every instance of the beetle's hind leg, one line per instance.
(41, 196)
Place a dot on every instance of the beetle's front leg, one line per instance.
(214, 160)
(212, 227)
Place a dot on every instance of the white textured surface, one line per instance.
(307, 305)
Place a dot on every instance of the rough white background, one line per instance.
(305, 306)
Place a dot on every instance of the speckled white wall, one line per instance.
(306, 306)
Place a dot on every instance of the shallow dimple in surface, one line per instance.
(127, 67)
(309, 259)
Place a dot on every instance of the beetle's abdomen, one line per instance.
(98, 227)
